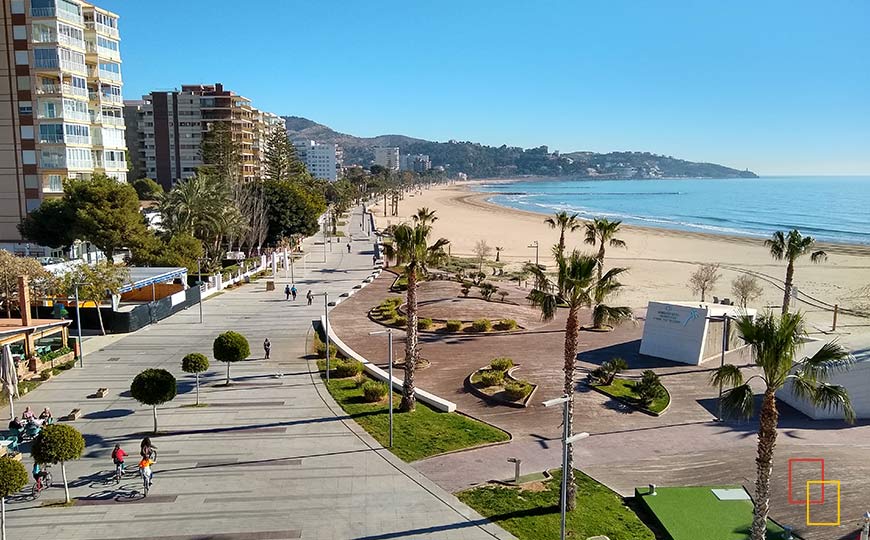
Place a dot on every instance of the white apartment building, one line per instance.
(63, 62)
(323, 160)
(387, 157)
(415, 162)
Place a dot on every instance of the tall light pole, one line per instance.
(79, 326)
(389, 333)
(535, 245)
(566, 440)
(725, 327)
(199, 284)
(326, 327)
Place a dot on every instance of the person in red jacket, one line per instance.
(118, 455)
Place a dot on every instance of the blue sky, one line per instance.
(780, 87)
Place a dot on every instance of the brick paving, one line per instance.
(627, 448)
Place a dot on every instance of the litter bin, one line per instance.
(270, 285)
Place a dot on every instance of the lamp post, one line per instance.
(199, 284)
(535, 245)
(566, 440)
(725, 327)
(79, 326)
(326, 327)
(389, 333)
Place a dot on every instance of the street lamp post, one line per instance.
(389, 333)
(725, 321)
(199, 284)
(326, 328)
(566, 440)
(535, 245)
(79, 326)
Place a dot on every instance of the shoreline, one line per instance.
(477, 199)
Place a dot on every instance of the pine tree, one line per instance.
(220, 153)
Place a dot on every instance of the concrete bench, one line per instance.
(101, 392)
(73, 415)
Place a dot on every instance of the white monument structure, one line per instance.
(688, 332)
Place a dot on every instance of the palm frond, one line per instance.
(616, 242)
(777, 245)
(802, 387)
(738, 402)
(818, 256)
(548, 303)
(831, 358)
(727, 375)
(832, 397)
(603, 315)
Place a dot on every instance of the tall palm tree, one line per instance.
(411, 246)
(565, 222)
(774, 343)
(603, 232)
(605, 317)
(791, 247)
(576, 279)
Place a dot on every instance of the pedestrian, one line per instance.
(267, 347)
(287, 292)
(374, 259)
(293, 292)
(309, 296)
(348, 247)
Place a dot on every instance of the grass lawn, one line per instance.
(690, 513)
(533, 514)
(417, 435)
(624, 388)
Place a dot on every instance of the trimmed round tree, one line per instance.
(231, 347)
(58, 443)
(195, 363)
(13, 477)
(154, 387)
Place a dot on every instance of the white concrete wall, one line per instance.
(674, 332)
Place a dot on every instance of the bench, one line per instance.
(73, 415)
(101, 392)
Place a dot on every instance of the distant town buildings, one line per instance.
(387, 157)
(419, 163)
(171, 125)
(323, 160)
(63, 115)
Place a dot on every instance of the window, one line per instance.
(19, 32)
(25, 108)
(28, 157)
(50, 133)
(79, 82)
(17, 7)
(21, 58)
(26, 132)
(54, 183)
(107, 43)
(31, 181)
(32, 204)
(24, 83)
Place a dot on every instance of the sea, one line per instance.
(829, 208)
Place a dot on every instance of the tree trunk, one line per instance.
(100, 317)
(703, 294)
(562, 243)
(789, 278)
(228, 368)
(197, 388)
(600, 258)
(572, 327)
(385, 204)
(3, 517)
(65, 485)
(154, 412)
(764, 463)
(409, 401)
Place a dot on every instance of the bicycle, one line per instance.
(41, 485)
(146, 481)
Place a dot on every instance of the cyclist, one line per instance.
(147, 449)
(118, 455)
(38, 475)
(145, 471)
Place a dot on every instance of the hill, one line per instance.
(481, 161)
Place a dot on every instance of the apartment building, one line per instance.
(415, 162)
(60, 103)
(171, 126)
(387, 157)
(323, 160)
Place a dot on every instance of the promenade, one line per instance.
(270, 457)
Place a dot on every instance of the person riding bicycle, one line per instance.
(147, 449)
(145, 470)
(118, 455)
(38, 475)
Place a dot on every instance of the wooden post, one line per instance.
(24, 300)
(836, 310)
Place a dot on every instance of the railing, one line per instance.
(69, 17)
(115, 165)
(48, 89)
(80, 164)
(70, 41)
(42, 12)
(69, 89)
(102, 29)
(109, 75)
(108, 53)
(68, 65)
(52, 185)
(53, 162)
(77, 139)
(53, 138)
(112, 121)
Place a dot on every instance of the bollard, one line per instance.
(516, 462)
(836, 310)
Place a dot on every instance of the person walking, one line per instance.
(293, 292)
(348, 247)
(267, 347)
(310, 297)
(287, 292)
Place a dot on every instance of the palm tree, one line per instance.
(774, 343)
(605, 317)
(603, 232)
(564, 222)
(411, 246)
(792, 247)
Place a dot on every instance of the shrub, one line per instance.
(501, 364)
(374, 391)
(400, 320)
(506, 324)
(491, 378)
(320, 347)
(612, 368)
(649, 388)
(424, 324)
(230, 347)
(58, 443)
(516, 390)
(487, 290)
(13, 476)
(49, 356)
(348, 368)
(194, 363)
(45, 374)
(154, 387)
(481, 325)
(454, 326)
(598, 375)
(503, 295)
(389, 313)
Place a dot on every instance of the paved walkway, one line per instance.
(269, 458)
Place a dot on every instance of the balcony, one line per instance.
(108, 99)
(52, 184)
(62, 39)
(52, 162)
(115, 165)
(77, 116)
(77, 139)
(108, 75)
(107, 120)
(103, 52)
(101, 28)
(75, 18)
(54, 64)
